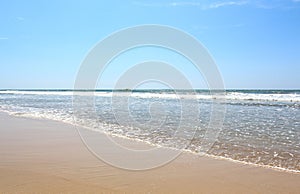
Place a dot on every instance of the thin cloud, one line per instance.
(20, 18)
(3, 38)
(185, 3)
(192, 4)
(227, 3)
(170, 4)
(277, 4)
(259, 4)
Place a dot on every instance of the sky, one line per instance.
(255, 44)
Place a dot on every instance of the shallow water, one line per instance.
(260, 126)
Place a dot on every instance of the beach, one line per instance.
(150, 96)
(43, 156)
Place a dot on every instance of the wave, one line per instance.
(280, 96)
(263, 97)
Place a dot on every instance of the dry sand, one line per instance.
(42, 156)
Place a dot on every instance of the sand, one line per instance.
(42, 156)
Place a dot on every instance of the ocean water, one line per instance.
(261, 127)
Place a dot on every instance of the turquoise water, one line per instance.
(260, 126)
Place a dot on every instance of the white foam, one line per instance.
(229, 95)
(64, 93)
(263, 97)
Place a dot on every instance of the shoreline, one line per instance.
(45, 156)
(276, 168)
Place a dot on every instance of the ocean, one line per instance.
(260, 127)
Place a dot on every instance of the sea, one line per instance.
(260, 127)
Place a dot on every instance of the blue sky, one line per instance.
(256, 44)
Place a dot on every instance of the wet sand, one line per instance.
(42, 156)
